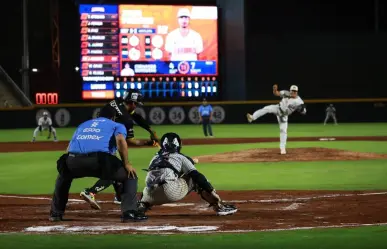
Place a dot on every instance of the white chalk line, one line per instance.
(297, 199)
(34, 198)
(101, 229)
(327, 196)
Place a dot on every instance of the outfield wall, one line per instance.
(186, 113)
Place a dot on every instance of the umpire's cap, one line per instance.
(171, 142)
(107, 112)
(133, 95)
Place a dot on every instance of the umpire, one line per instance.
(205, 116)
(91, 154)
(124, 109)
(330, 113)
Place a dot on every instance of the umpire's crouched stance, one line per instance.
(91, 154)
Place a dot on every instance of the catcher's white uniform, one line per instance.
(165, 185)
(45, 123)
(282, 110)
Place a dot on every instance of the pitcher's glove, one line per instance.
(302, 109)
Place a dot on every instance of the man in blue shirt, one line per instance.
(205, 116)
(91, 153)
(124, 109)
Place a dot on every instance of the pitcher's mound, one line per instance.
(297, 154)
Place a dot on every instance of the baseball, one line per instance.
(195, 160)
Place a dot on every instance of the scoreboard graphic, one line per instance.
(165, 51)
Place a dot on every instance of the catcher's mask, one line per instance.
(133, 95)
(171, 142)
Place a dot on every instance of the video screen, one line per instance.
(152, 44)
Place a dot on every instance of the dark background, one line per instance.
(330, 49)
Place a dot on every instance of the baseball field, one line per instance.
(329, 191)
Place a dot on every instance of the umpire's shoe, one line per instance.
(133, 216)
(55, 217)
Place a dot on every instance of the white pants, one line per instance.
(171, 191)
(282, 121)
(44, 128)
(330, 115)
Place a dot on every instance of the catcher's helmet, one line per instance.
(171, 142)
(133, 95)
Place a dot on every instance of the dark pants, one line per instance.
(207, 126)
(101, 185)
(100, 165)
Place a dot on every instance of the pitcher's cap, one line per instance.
(183, 12)
(294, 88)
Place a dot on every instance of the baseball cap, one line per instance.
(183, 12)
(294, 88)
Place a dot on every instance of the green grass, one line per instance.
(332, 175)
(354, 238)
(221, 130)
(35, 173)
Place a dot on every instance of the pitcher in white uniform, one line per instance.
(45, 123)
(172, 176)
(290, 102)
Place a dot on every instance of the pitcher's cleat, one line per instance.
(249, 117)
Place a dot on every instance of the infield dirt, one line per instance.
(258, 210)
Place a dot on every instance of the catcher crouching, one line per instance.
(172, 176)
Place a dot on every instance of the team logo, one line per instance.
(183, 67)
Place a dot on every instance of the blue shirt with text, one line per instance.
(96, 135)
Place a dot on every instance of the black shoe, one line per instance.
(143, 206)
(133, 216)
(55, 217)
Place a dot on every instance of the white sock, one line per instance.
(54, 132)
(283, 138)
(36, 131)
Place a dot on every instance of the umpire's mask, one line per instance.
(171, 142)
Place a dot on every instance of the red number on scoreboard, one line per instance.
(46, 98)
(52, 98)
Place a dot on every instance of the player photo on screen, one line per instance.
(184, 43)
(127, 71)
(168, 40)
